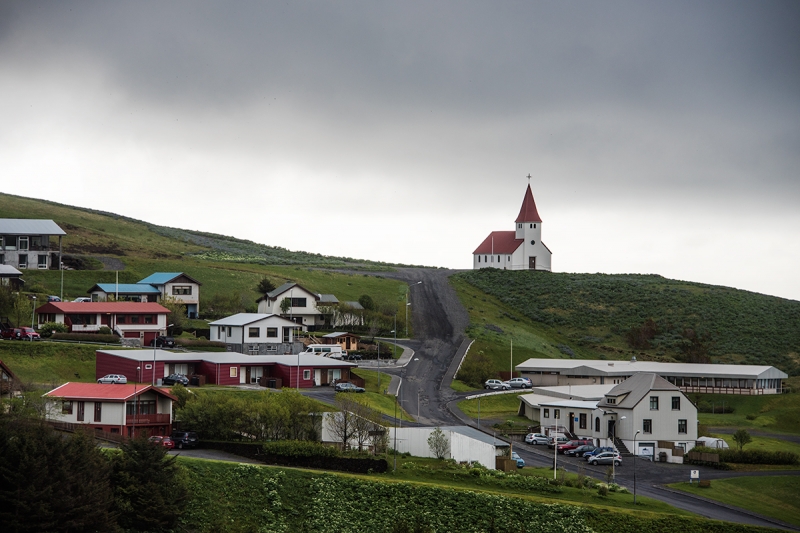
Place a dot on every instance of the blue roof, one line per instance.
(127, 288)
(160, 278)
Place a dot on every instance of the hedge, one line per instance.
(88, 337)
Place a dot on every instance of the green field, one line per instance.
(773, 496)
(49, 363)
(779, 413)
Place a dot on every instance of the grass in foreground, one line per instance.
(773, 496)
(503, 406)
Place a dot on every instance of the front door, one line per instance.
(532, 263)
(572, 423)
(347, 342)
(610, 429)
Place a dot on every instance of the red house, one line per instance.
(131, 320)
(224, 368)
(128, 410)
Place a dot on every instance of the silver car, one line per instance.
(496, 384)
(605, 458)
(535, 438)
(113, 378)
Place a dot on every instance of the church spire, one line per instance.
(528, 212)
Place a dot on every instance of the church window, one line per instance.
(533, 242)
(531, 226)
(485, 259)
(508, 258)
(534, 226)
(479, 259)
(519, 226)
(498, 258)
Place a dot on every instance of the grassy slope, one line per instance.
(768, 495)
(778, 413)
(590, 313)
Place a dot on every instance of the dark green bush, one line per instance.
(48, 328)
(87, 337)
(298, 448)
(758, 457)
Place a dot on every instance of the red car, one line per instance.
(21, 334)
(571, 445)
(166, 442)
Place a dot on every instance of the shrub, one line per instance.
(48, 328)
(758, 457)
(87, 337)
(602, 490)
(298, 448)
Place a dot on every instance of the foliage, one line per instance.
(87, 337)
(439, 444)
(48, 328)
(265, 285)
(298, 448)
(598, 311)
(758, 457)
(367, 302)
(354, 422)
(51, 483)
(177, 312)
(149, 490)
(742, 438)
(286, 304)
(476, 370)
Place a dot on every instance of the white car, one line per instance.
(520, 383)
(536, 438)
(496, 384)
(113, 378)
(82, 299)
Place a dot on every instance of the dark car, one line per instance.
(163, 342)
(174, 379)
(580, 450)
(347, 387)
(185, 439)
(588, 455)
(571, 445)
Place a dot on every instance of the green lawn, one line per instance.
(767, 444)
(503, 406)
(776, 412)
(774, 496)
(49, 363)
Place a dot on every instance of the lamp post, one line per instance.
(61, 268)
(614, 459)
(395, 434)
(634, 466)
(155, 348)
(135, 401)
(33, 311)
(409, 303)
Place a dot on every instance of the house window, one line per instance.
(479, 259)
(253, 332)
(42, 261)
(498, 258)
(484, 259)
(134, 319)
(611, 400)
(306, 374)
(147, 407)
(66, 408)
(583, 420)
(534, 226)
(676, 403)
(80, 411)
(230, 331)
(272, 333)
(597, 424)
(23, 243)
(36, 243)
(546, 413)
(10, 242)
(234, 371)
(298, 302)
(531, 226)
(23, 261)
(252, 349)
(556, 413)
(182, 290)
(98, 411)
(519, 226)
(122, 319)
(654, 403)
(647, 425)
(272, 348)
(682, 426)
(148, 319)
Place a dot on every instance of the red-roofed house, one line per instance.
(128, 410)
(521, 249)
(132, 320)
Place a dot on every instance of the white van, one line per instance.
(334, 351)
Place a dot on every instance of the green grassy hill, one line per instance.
(616, 316)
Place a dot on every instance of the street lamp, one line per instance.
(135, 400)
(614, 459)
(634, 466)
(395, 434)
(155, 347)
(61, 268)
(409, 303)
(33, 311)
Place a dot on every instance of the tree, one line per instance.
(149, 493)
(22, 310)
(742, 438)
(286, 304)
(177, 312)
(367, 302)
(265, 285)
(438, 443)
(343, 423)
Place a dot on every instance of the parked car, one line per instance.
(344, 386)
(571, 445)
(174, 379)
(496, 384)
(520, 461)
(600, 449)
(163, 342)
(552, 441)
(605, 458)
(23, 334)
(166, 442)
(185, 439)
(536, 438)
(520, 383)
(52, 298)
(580, 450)
(113, 378)
(82, 299)
(350, 356)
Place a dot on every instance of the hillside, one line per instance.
(100, 246)
(616, 316)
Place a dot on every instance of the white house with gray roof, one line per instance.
(26, 243)
(689, 377)
(312, 310)
(465, 444)
(257, 334)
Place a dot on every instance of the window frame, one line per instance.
(654, 403)
(683, 423)
(545, 413)
(647, 426)
(306, 375)
(66, 407)
(253, 332)
(676, 403)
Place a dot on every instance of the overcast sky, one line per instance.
(661, 137)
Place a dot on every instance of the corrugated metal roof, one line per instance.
(499, 242)
(354, 305)
(102, 391)
(243, 319)
(104, 307)
(228, 357)
(8, 270)
(328, 299)
(160, 278)
(635, 388)
(29, 226)
(126, 288)
(338, 334)
(473, 433)
(604, 367)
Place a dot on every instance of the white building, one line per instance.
(257, 334)
(689, 377)
(521, 249)
(467, 444)
(26, 243)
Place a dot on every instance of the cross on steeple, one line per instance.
(529, 178)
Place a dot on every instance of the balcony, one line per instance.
(147, 420)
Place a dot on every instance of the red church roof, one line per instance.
(528, 212)
(499, 242)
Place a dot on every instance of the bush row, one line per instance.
(87, 337)
(759, 457)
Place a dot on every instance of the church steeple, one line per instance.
(528, 212)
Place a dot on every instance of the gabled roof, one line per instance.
(8, 271)
(7, 371)
(289, 285)
(528, 211)
(162, 278)
(499, 242)
(328, 299)
(635, 388)
(336, 334)
(243, 319)
(103, 307)
(101, 391)
(235, 358)
(29, 226)
(125, 288)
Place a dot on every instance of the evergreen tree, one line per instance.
(149, 492)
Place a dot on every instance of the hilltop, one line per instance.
(616, 316)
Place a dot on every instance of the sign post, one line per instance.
(695, 474)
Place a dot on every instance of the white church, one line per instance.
(521, 249)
